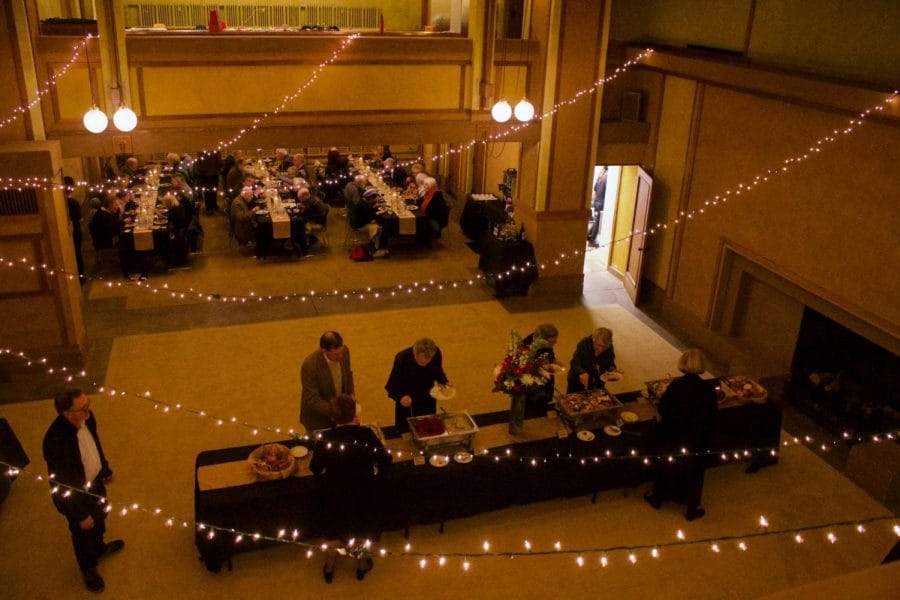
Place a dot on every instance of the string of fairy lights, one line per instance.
(582, 554)
(49, 83)
(112, 186)
(732, 193)
(72, 375)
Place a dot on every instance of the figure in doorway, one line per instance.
(597, 199)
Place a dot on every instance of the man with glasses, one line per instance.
(323, 376)
(78, 467)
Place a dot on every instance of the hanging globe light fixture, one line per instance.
(501, 111)
(524, 110)
(124, 119)
(95, 120)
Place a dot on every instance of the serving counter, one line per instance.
(542, 463)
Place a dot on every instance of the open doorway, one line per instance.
(604, 198)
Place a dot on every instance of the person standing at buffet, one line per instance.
(348, 458)
(687, 413)
(324, 374)
(414, 373)
(76, 461)
(594, 356)
(538, 404)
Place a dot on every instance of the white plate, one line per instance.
(443, 393)
(611, 376)
(612, 430)
(462, 457)
(438, 460)
(629, 417)
(585, 436)
(299, 451)
(262, 212)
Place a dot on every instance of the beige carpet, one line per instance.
(251, 372)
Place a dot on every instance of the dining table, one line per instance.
(274, 226)
(548, 459)
(479, 212)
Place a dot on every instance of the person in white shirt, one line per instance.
(78, 467)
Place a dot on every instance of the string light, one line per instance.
(714, 543)
(48, 83)
(718, 200)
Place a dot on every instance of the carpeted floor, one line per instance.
(245, 364)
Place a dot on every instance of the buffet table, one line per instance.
(415, 494)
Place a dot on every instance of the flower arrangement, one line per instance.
(523, 368)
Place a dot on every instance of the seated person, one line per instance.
(177, 250)
(312, 209)
(594, 356)
(360, 211)
(434, 206)
(125, 201)
(105, 225)
(394, 175)
(243, 209)
(299, 161)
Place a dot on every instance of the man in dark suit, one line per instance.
(324, 375)
(597, 200)
(78, 467)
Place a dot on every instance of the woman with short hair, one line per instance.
(687, 412)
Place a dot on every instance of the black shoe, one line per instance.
(112, 547)
(693, 514)
(361, 573)
(93, 581)
(652, 500)
(328, 575)
(593, 245)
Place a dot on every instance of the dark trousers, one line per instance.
(209, 183)
(681, 482)
(88, 544)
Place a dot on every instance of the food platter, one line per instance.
(582, 409)
(658, 387)
(445, 429)
(743, 389)
(272, 461)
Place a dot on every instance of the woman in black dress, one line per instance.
(687, 413)
(348, 460)
(414, 373)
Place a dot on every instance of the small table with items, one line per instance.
(479, 211)
(547, 460)
(499, 256)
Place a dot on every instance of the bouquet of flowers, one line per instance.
(523, 367)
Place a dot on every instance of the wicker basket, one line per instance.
(282, 468)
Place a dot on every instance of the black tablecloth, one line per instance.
(499, 256)
(477, 216)
(390, 228)
(265, 239)
(141, 261)
(413, 495)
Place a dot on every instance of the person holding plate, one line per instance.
(594, 356)
(547, 335)
(414, 374)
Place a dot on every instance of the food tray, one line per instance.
(588, 408)
(657, 387)
(445, 429)
(272, 461)
(743, 389)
